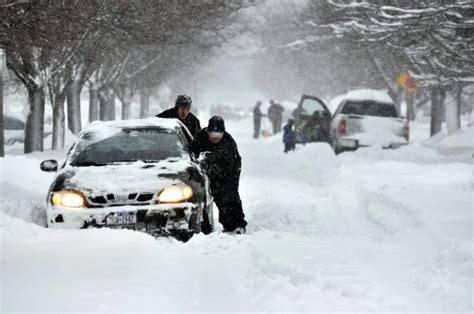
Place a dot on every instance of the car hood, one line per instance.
(125, 177)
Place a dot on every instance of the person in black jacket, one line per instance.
(223, 164)
(289, 136)
(275, 114)
(182, 111)
(257, 119)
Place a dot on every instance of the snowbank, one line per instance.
(370, 231)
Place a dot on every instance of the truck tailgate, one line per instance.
(376, 131)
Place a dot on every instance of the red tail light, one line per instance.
(342, 127)
(406, 132)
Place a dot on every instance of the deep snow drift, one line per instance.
(373, 230)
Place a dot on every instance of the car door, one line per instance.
(313, 120)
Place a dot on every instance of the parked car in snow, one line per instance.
(312, 120)
(134, 174)
(228, 112)
(14, 130)
(366, 118)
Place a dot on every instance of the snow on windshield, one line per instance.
(119, 141)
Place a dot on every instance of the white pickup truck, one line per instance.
(367, 118)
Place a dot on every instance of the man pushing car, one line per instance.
(223, 168)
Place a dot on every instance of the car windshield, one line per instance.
(127, 145)
(369, 108)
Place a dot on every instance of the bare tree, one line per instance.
(2, 138)
(435, 37)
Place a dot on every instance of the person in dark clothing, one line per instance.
(275, 113)
(289, 136)
(182, 111)
(223, 164)
(257, 119)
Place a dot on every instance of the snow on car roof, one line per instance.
(97, 126)
(380, 96)
(105, 129)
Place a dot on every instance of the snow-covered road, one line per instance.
(367, 231)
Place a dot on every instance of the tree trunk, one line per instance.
(107, 105)
(111, 106)
(93, 104)
(126, 106)
(74, 107)
(453, 116)
(410, 99)
(58, 122)
(458, 105)
(2, 137)
(34, 130)
(144, 103)
(437, 107)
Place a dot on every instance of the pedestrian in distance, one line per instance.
(257, 119)
(289, 136)
(275, 114)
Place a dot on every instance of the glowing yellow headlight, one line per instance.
(68, 199)
(176, 194)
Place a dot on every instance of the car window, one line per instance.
(13, 123)
(127, 145)
(369, 108)
(310, 106)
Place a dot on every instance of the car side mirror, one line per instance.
(50, 165)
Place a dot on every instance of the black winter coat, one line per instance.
(257, 114)
(224, 161)
(191, 121)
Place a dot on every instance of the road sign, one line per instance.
(407, 82)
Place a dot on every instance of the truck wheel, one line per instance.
(336, 149)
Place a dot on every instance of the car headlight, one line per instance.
(68, 199)
(175, 194)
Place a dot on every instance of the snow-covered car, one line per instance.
(14, 130)
(133, 174)
(367, 118)
(312, 120)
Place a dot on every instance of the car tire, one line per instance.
(183, 236)
(336, 149)
(206, 225)
(194, 225)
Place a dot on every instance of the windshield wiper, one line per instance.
(86, 164)
(149, 161)
(121, 161)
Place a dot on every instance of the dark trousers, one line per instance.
(289, 146)
(227, 199)
(256, 129)
(276, 124)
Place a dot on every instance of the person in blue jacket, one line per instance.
(289, 136)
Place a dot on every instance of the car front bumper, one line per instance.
(161, 219)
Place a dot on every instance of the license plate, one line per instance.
(348, 143)
(122, 219)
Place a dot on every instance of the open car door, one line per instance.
(312, 120)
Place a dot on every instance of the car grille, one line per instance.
(117, 199)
